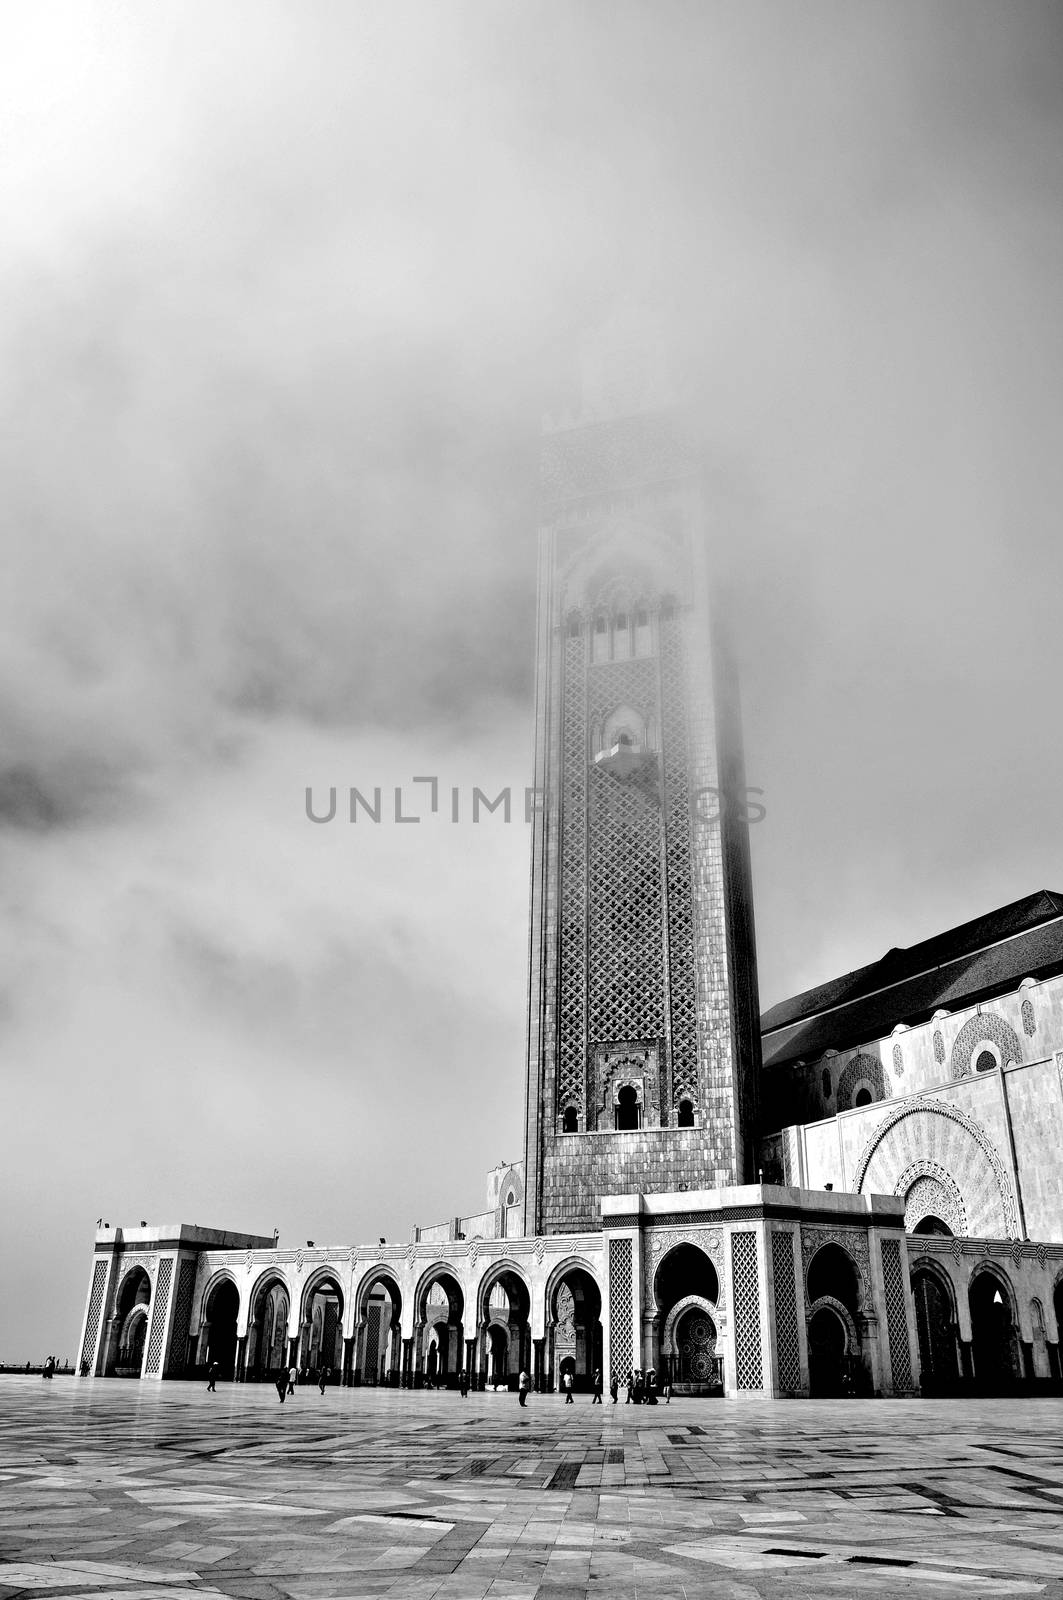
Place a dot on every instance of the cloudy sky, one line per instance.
(285, 291)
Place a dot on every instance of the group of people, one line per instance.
(642, 1388)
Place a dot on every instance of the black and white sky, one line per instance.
(284, 294)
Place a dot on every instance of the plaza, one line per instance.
(154, 1492)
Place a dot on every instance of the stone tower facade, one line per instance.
(644, 1045)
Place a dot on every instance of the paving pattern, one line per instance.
(162, 1492)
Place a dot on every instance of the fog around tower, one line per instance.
(287, 290)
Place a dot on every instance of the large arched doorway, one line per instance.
(378, 1357)
(130, 1326)
(686, 1287)
(439, 1334)
(994, 1339)
(267, 1335)
(218, 1339)
(505, 1321)
(574, 1333)
(321, 1344)
(935, 1321)
(831, 1350)
(837, 1362)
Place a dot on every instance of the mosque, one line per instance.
(860, 1191)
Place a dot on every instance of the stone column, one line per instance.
(346, 1373)
(407, 1363)
(539, 1364)
(241, 1358)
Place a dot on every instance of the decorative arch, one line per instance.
(436, 1273)
(986, 1266)
(492, 1277)
(956, 1143)
(927, 1189)
(688, 1301)
(132, 1270)
(937, 1270)
(562, 1270)
(834, 1244)
(828, 1302)
(381, 1276)
(318, 1279)
(863, 1069)
(985, 1027)
(223, 1275)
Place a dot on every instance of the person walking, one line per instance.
(323, 1375)
(522, 1388)
(292, 1375)
(282, 1386)
(463, 1384)
(568, 1388)
(651, 1387)
(212, 1377)
(596, 1399)
(629, 1383)
(614, 1386)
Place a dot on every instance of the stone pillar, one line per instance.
(1053, 1359)
(293, 1350)
(967, 1360)
(470, 1361)
(347, 1373)
(407, 1363)
(241, 1358)
(539, 1364)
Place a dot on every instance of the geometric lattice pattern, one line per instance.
(182, 1316)
(92, 1321)
(372, 1342)
(939, 1048)
(745, 1281)
(625, 981)
(986, 1025)
(898, 1061)
(621, 1344)
(571, 999)
(862, 1068)
(159, 1315)
(682, 986)
(787, 1338)
(1029, 1026)
(896, 1316)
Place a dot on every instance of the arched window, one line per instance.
(985, 1061)
(863, 1097)
(570, 1122)
(628, 1110)
(685, 1116)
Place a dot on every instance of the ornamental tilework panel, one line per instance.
(372, 1342)
(182, 1317)
(985, 1026)
(896, 1318)
(571, 1000)
(621, 1345)
(625, 981)
(862, 1067)
(92, 1321)
(787, 1338)
(745, 1288)
(1029, 1026)
(159, 1313)
(939, 1047)
(681, 961)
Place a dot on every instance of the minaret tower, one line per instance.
(643, 1039)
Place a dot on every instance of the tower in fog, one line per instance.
(643, 1039)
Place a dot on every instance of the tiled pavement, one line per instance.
(162, 1492)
